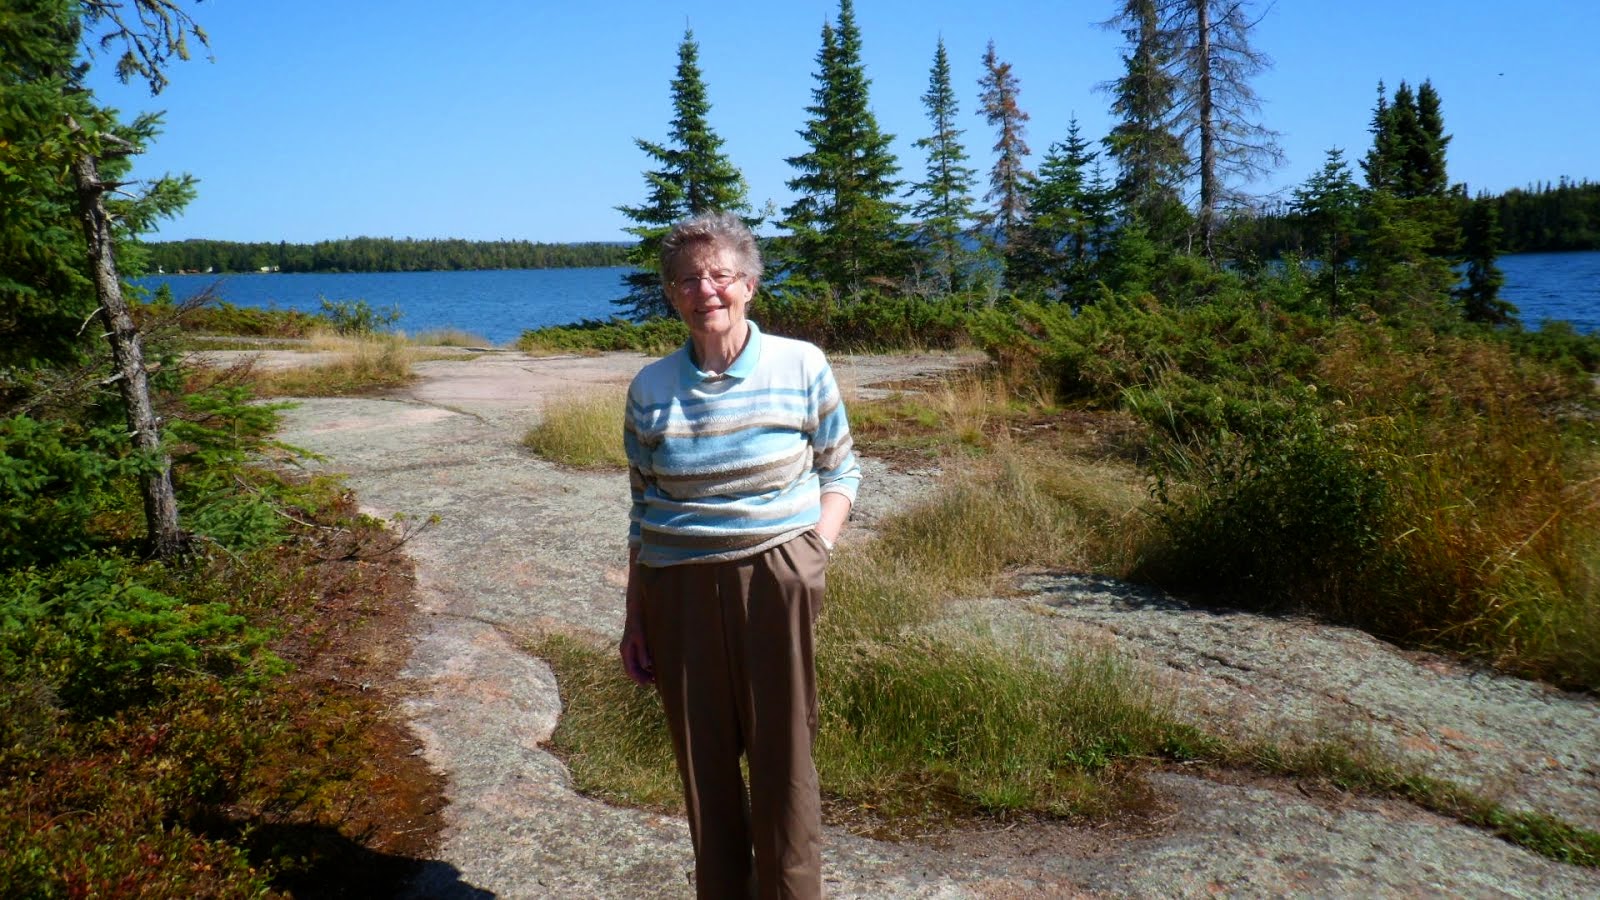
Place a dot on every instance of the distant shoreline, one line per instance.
(375, 255)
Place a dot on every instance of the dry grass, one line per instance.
(450, 337)
(968, 414)
(355, 364)
(1016, 508)
(1495, 511)
(585, 431)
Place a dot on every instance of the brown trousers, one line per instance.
(732, 648)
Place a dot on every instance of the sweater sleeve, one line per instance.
(833, 450)
(638, 465)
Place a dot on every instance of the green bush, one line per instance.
(221, 496)
(875, 324)
(654, 336)
(358, 317)
(1286, 511)
(54, 480)
(1098, 352)
(92, 633)
(1558, 342)
(222, 318)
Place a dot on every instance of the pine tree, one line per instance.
(1009, 180)
(945, 206)
(845, 223)
(45, 295)
(1427, 158)
(1407, 163)
(692, 176)
(1405, 132)
(1480, 296)
(1407, 158)
(1328, 206)
(1401, 269)
(1150, 157)
(1062, 208)
(1378, 165)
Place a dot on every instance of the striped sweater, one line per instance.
(726, 466)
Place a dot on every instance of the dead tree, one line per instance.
(167, 540)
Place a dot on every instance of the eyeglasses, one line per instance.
(721, 279)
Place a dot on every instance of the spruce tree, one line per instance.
(1480, 296)
(1427, 158)
(1405, 133)
(1009, 180)
(1327, 206)
(692, 176)
(1383, 159)
(1150, 157)
(845, 222)
(1411, 220)
(944, 204)
(1062, 208)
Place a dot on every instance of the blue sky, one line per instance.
(516, 120)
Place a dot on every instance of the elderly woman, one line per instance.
(742, 473)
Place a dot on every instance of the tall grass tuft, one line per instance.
(1494, 518)
(357, 363)
(612, 733)
(585, 432)
(987, 724)
(450, 337)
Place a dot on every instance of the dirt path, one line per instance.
(521, 544)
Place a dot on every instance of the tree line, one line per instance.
(368, 254)
(1563, 216)
(1162, 196)
(1540, 218)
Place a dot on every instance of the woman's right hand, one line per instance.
(636, 655)
(635, 652)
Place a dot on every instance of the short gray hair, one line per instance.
(723, 230)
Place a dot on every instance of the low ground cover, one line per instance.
(203, 728)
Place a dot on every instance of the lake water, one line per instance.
(1554, 286)
(497, 304)
(500, 305)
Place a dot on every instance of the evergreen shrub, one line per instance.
(54, 480)
(222, 497)
(219, 317)
(872, 324)
(653, 336)
(358, 318)
(97, 637)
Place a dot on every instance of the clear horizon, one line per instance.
(319, 123)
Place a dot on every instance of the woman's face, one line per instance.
(710, 310)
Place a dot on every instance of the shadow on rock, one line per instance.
(319, 862)
(441, 881)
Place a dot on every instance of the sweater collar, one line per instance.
(743, 364)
